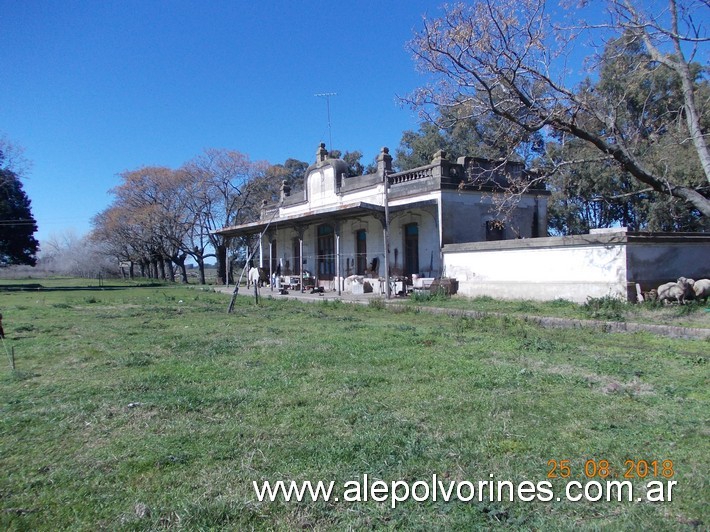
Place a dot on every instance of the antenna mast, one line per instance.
(327, 96)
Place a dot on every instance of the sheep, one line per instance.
(257, 276)
(679, 291)
(651, 295)
(701, 288)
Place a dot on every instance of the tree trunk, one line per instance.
(693, 119)
(180, 261)
(201, 267)
(221, 264)
(695, 198)
(680, 65)
(160, 264)
(171, 270)
(199, 256)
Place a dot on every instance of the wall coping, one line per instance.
(620, 237)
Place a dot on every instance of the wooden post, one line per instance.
(12, 357)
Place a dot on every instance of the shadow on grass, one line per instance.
(40, 288)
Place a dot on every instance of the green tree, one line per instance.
(17, 224)
(296, 171)
(352, 159)
(599, 193)
(459, 133)
(292, 171)
(506, 57)
(417, 148)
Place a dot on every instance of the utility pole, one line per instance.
(327, 96)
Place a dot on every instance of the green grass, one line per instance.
(141, 408)
(692, 314)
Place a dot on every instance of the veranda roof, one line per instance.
(304, 218)
(324, 214)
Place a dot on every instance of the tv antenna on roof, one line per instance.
(327, 96)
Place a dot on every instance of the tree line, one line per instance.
(161, 217)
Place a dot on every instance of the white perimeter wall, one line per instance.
(546, 273)
(604, 263)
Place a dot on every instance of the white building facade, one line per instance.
(337, 226)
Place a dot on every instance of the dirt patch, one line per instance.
(601, 383)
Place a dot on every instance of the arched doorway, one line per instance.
(411, 249)
(360, 252)
(326, 252)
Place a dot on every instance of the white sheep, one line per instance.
(679, 291)
(701, 287)
(257, 276)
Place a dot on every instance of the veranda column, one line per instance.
(388, 292)
(261, 251)
(337, 255)
(300, 231)
(272, 251)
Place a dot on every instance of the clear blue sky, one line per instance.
(93, 88)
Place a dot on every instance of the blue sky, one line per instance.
(93, 88)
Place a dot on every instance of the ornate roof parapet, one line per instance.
(469, 173)
(440, 167)
(285, 190)
(268, 210)
(441, 164)
(321, 154)
(384, 162)
(500, 173)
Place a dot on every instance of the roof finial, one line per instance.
(321, 153)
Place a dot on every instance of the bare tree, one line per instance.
(160, 216)
(145, 223)
(112, 229)
(67, 253)
(507, 58)
(224, 191)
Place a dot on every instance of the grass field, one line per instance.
(692, 314)
(138, 408)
